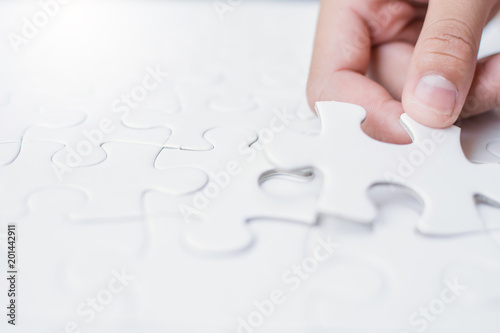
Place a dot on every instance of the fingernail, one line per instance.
(436, 94)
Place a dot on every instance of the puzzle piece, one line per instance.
(115, 187)
(233, 195)
(481, 136)
(352, 162)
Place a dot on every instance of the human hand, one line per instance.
(413, 56)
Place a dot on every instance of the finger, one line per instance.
(484, 94)
(383, 112)
(342, 42)
(444, 60)
(410, 32)
(389, 65)
(339, 63)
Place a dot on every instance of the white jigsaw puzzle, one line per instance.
(108, 249)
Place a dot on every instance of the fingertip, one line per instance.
(384, 125)
(433, 101)
(312, 95)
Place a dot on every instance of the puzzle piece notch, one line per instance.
(351, 163)
(224, 231)
(301, 182)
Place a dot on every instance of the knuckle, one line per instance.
(453, 39)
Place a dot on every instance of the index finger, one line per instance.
(339, 63)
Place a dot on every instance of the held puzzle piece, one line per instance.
(433, 166)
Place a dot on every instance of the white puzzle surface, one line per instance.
(164, 173)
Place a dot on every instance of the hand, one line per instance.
(392, 55)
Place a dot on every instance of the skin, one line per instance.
(413, 56)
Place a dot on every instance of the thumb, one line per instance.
(443, 62)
